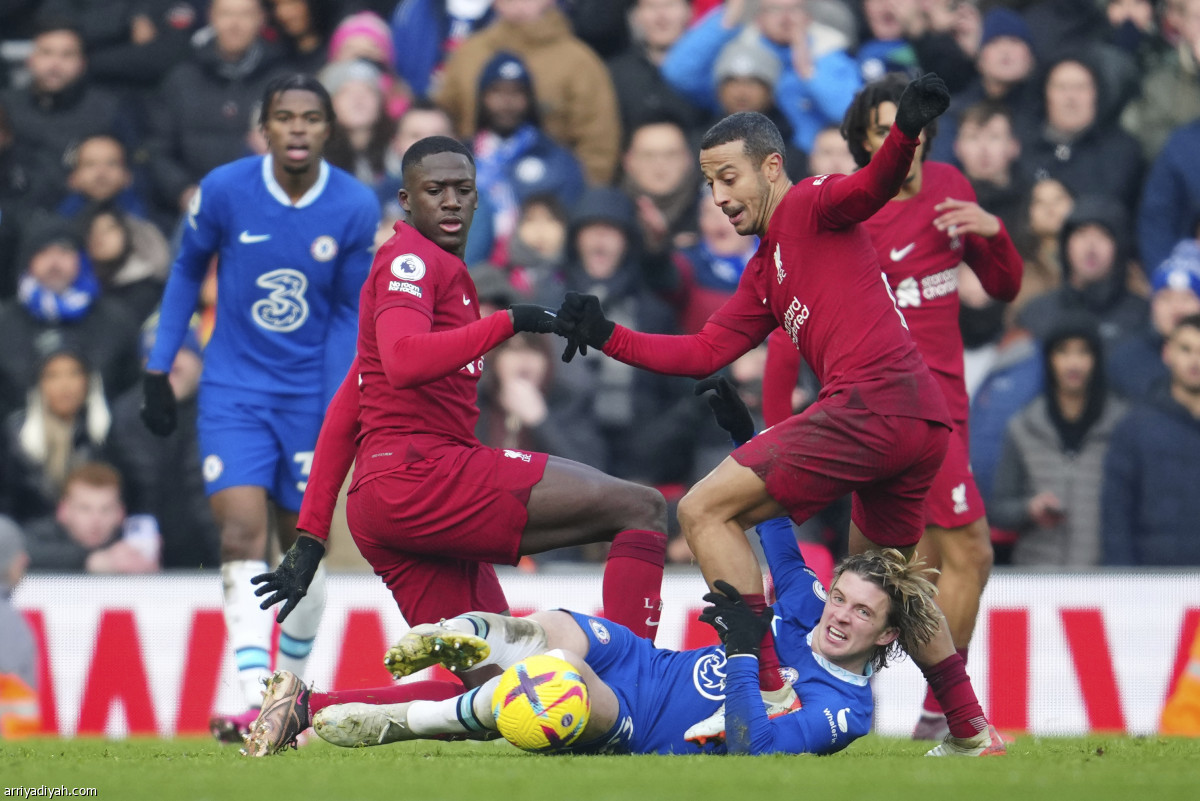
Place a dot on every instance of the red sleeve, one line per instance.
(332, 459)
(734, 329)
(997, 263)
(413, 355)
(779, 377)
(843, 200)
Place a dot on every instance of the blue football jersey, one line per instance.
(288, 282)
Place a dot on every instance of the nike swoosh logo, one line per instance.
(248, 238)
(897, 255)
(466, 301)
(651, 622)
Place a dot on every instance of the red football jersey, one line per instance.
(921, 264)
(412, 272)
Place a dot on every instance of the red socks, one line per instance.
(950, 686)
(770, 677)
(632, 591)
(394, 694)
(931, 707)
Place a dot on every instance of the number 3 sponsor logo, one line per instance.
(285, 309)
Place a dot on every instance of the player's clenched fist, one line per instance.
(582, 322)
(923, 101)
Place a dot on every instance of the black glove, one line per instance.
(730, 410)
(740, 628)
(290, 580)
(532, 318)
(582, 322)
(158, 404)
(923, 101)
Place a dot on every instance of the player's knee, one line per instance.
(645, 508)
(692, 512)
(241, 541)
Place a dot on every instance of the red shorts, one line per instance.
(888, 462)
(954, 500)
(431, 529)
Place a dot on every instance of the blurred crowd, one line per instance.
(1076, 121)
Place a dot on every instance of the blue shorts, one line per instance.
(661, 693)
(245, 445)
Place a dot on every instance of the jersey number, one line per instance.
(285, 309)
(892, 295)
(305, 460)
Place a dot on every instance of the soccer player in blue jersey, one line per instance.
(643, 699)
(292, 237)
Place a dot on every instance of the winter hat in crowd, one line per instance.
(337, 74)
(44, 230)
(369, 25)
(1005, 22)
(1180, 270)
(505, 67)
(746, 58)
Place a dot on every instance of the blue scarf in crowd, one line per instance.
(494, 159)
(71, 304)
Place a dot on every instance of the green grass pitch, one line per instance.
(881, 769)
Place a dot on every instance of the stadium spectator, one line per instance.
(830, 154)
(537, 250)
(305, 27)
(199, 119)
(59, 108)
(365, 37)
(1150, 505)
(1005, 66)
(887, 49)
(86, 531)
(988, 151)
(643, 439)
(362, 130)
(418, 121)
(162, 475)
(659, 175)
(642, 92)
(129, 257)
(60, 298)
(514, 158)
(746, 74)
(1040, 238)
(1064, 25)
(100, 173)
(1075, 144)
(426, 32)
(130, 46)
(1135, 364)
(1047, 486)
(818, 77)
(1095, 263)
(20, 714)
(575, 97)
(698, 279)
(64, 423)
(16, 198)
(1170, 94)
(528, 402)
(945, 36)
(1170, 207)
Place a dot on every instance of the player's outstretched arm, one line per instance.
(845, 200)
(414, 354)
(332, 458)
(581, 320)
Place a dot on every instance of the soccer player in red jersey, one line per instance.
(430, 507)
(921, 236)
(880, 426)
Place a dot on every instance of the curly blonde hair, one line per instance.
(911, 610)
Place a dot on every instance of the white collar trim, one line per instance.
(309, 197)
(859, 679)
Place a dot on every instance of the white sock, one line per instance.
(511, 638)
(469, 712)
(248, 626)
(299, 629)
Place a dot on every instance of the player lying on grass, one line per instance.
(644, 698)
